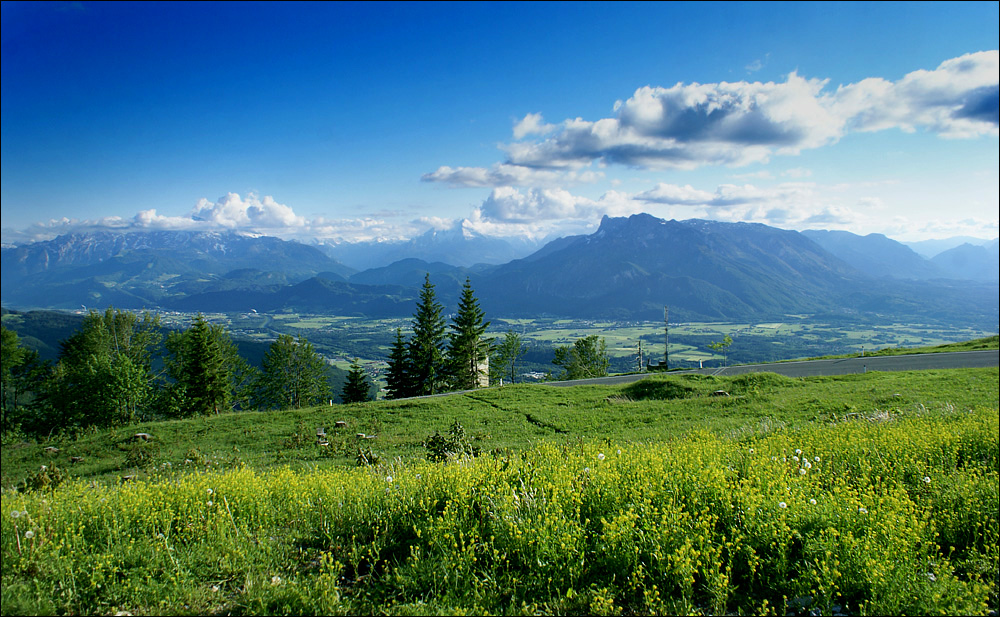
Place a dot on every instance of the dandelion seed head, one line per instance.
(782, 505)
(802, 472)
(619, 451)
(798, 451)
(751, 450)
(795, 458)
(210, 491)
(275, 580)
(812, 502)
(15, 514)
(808, 465)
(863, 510)
(816, 459)
(927, 480)
(210, 503)
(600, 456)
(29, 534)
(388, 478)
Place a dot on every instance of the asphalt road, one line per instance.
(840, 366)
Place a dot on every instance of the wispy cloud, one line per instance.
(725, 195)
(504, 174)
(757, 64)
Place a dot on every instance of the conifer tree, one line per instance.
(357, 387)
(426, 355)
(210, 376)
(397, 376)
(468, 350)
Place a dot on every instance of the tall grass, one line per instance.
(874, 513)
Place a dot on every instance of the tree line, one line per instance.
(119, 368)
(434, 360)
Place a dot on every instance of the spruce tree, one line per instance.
(397, 377)
(426, 356)
(210, 376)
(356, 388)
(468, 350)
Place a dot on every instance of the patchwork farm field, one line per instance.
(863, 494)
(342, 338)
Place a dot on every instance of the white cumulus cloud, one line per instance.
(737, 123)
(532, 124)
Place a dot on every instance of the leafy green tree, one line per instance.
(506, 354)
(468, 350)
(357, 387)
(426, 349)
(293, 375)
(588, 357)
(723, 348)
(397, 376)
(104, 374)
(209, 374)
(20, 370)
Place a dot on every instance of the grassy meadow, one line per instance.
(860, 494)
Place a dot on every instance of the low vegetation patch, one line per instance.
(856, 517)
(857, 494)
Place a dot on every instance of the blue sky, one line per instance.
(349, 122)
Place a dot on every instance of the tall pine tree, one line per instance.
(210, 376)
(357, 387)
(397, 377)
(468, 351)
(426, 353)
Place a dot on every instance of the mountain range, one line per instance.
(628, 269)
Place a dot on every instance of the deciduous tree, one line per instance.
(722, 347)
(293, 375)
(104, 374)
(20, 372)
(506, 354)
(588, 357)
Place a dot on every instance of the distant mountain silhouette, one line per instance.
(709, 270)
(456, 246)
(627, 270)
(876, 255)
(146, 269)
(978, 263)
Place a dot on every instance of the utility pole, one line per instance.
(666, 339)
